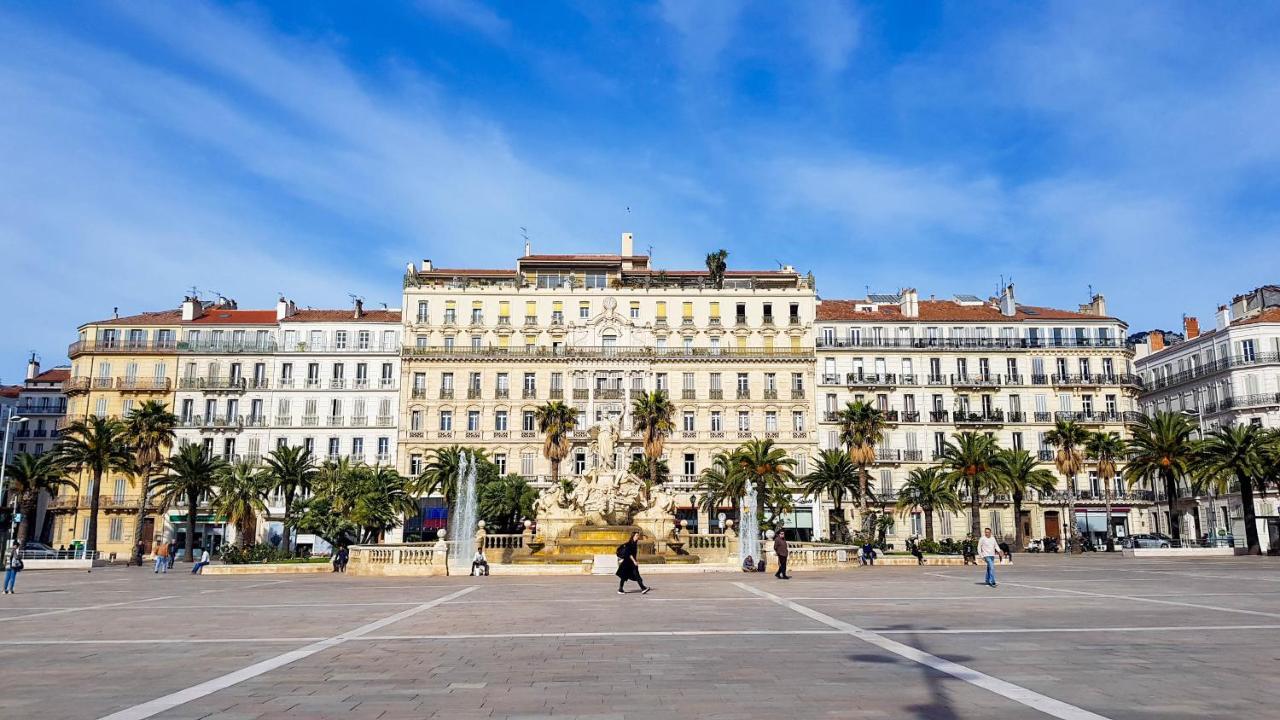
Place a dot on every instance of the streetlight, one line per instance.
(4, 481)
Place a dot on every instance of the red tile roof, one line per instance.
(159, 317)
(703, 273)
(54, 375)
(1268, 315)
(450, 272)
(215, 316)
(10, 391)
(372, 316)
(942, 311)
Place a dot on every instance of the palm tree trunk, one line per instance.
(1018, 541)
(1071, 517)
(863, 482)
(29, 504)
(288, 535)
(928, 524)
(555, 471)
(91, 534)
(1170, 490)
(135, 555)
(192, 508)
(1250, 517)
(975, 511)
(1111, 541)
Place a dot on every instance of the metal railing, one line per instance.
(137, 384)
(972, 343)
(636, 351)
(1211, 368)
(120, 346)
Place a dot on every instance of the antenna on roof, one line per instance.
(868, 289)
(1090, 291)
(384, 305)
(195, 291)
(354, 297)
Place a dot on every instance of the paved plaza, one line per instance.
(1076, 638)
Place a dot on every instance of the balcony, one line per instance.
(120, 347)
(42, 409)
(1217, 366)
(334, 421)
(477, 319)
(744, 393)
(530, 320)
(137, 384)
(939, 416)
(740, 319)
(557, 393)
(446, 393)
(644, 352)
(688, 394)
(1043, 417)
(213, 384)
(769, 394)
(975, 381)
(76, 385)
(1017, 416)
(888, 455)
(530, 393)
(1044, 455)
(579, 394)
(245, 347)
(418, 393)
(913, 456)
(716, 394)
(310, 420)
(797, 393)
(473, 393)
(911, 416)
(284, 421)
(609, 393)
(971, 343)
(387, 384)
(794, 320)
(502, 393)
(874, 380)
(988, 417)
(255, 421)
(504, 320)
(1248, 401)
(337, 384)
(1015, 380)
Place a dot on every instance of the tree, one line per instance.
(716, 266)
(769, 468)
(861, 430)
(240, 496)
(96, 445)
(28, 476)
(969, 458)
(555, 421)
(1105, 450)
(654, 473)
(1239, 453)
(290, 469)
(383, 497)
(721, 483)
(1162, 447)
(1019, 473)
(440, 473)
(192, 474)
(651, 416)
(930, 490)
(357, 502)
(149, 430)
(835, 476)
(504, 502)
(1069, 437)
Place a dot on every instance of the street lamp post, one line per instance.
(13, 419)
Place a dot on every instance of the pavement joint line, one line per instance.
(1017, 693)
(105, 606)
(163, 641)
(599, 634)
(1199, 575)
(1155, 601)
(1024, 631)
(244, 587)
(195, 692)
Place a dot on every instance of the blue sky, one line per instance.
(314, 148)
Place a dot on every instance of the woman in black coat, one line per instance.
(628, 568)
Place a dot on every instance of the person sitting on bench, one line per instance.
(479, 564)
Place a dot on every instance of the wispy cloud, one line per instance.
(469, 14)
(703, 29)
(830, 29)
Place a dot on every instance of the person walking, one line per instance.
(173, 551)
(989, 550)
(198, 568)
(780, 549)
(137, 554)
(162, 559)
(628, 567)
(12, 566)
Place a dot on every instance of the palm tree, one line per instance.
(1162, 447)
(651, 416)
(28, 476)
(379, 499)
(440, 474)
(555, 421)
(1106, 449)
(721, 483)
(95, 445)
(834, 475)
(149, 431)
(1238, 453)
(930, 490)
(291, 469)
(768, 467)
(716, 267)
(970, 458)
(1069, 437)
(505, 501)
(861, 429)
(1019, 472)
(192, 474)
(654, 473)
(241, 496)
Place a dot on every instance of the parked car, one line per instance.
(1147, 540)
(38, 551)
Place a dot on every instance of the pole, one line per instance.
(5, 533)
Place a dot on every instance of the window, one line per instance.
(584, 309)
(473, 420)
(500, 462)
(690, 464)
(446, 420)
(770, 382)
(528, 422)
(797, 420)
(596, 280)
(744, 421)
(635, 310)
(526, 464)
(742, 383)
(384, 447)
(579, 461)
(422, 311)
(415, 465)
(771, 421)
(500, 421)
(716, 425)
(117, 529)
(660, 380)
(688, 420)
(797, 382)
(415, 420)
(340, 340)
(357, 447)
(335, 447)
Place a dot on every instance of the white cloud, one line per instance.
(704, 28)
(470, 14)
(830, 29)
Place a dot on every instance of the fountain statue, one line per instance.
(749, 526)
(462, 516)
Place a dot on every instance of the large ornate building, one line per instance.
(936, 367)
(486, 347)
(1227, 375)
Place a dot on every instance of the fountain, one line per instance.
(749, 527)
(462, 519)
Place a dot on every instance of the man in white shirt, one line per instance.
(198, 568)
(989, 550)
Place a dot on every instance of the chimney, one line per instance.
(192, 308)
(359, 309)
(1008, 305)
(1224, 318)
(628, 244)
(1190, 327)
(284, 308)
(527, 248)
(426, 265)
(33, 367)
(1156, 339)
(909, 302)
(408, 268)
(1097, 306)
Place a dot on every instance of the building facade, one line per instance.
(43, 404)
(1225, 376)
(935, 368)
(485, 348)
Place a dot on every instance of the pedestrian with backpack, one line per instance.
(628, 567)
(12, 566)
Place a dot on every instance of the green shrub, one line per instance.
(260, 553)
